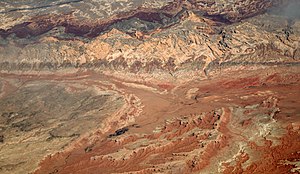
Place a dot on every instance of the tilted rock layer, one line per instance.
(168, 37)
(183, 86)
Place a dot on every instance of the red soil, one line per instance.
(195, 132)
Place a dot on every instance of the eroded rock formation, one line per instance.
(183, 86)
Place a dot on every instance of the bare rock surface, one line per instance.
(43, 117)
(156, 86)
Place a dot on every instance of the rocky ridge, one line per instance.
(182, 86)
(174, 37)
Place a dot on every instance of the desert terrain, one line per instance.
(137, 86)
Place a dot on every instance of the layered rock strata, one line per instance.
(183, 86)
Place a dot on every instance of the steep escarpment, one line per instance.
(173, 37)
(196, 42)
(181, 86)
